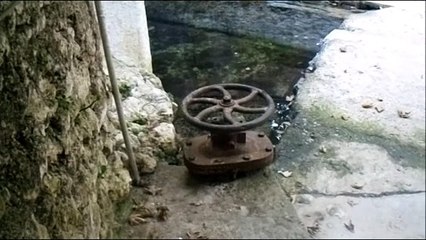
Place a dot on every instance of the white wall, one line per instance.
(127, 29)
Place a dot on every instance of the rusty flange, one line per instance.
(229, 147)
(202, 156)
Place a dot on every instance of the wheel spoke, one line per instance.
(204, 100)
(228, 116)
(224, 91)
(247, 98)
(242, 109)
(203, 114)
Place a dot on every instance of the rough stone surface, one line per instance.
(145, 104)
(146, 107)
(282, 23)
(55, 178)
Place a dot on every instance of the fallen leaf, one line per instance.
(163, 213)
(345, 117)
(367, 104)
(403, 114)
(136, 219)
(289, 98)
(379, 109)
(196, 204)
(152, 190)
(285, 174)
(312, 230)
(350, 226)
(357, 186)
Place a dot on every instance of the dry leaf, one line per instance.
(357, 186)
(163, 213)
(136, 219)
(289, 98)
(379, 109)
(312, 230)
(196, 204)
(367, 104)
(151, 190)
(285, 174)
(345, 117)
(403, 114)
(350, 226)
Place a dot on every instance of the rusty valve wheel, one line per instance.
(227, 105)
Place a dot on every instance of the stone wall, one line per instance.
(59, 176)
(147, 108)
(298, 25)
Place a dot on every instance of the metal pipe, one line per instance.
(133, 167)
(9, 9)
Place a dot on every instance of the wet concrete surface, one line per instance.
(358, 165)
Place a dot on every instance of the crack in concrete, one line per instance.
(362, 195)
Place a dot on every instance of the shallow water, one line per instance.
(187, 58)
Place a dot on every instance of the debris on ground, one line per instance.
(196, 203)
(367, 104)
(350, 226)
(195, 235)
(152, 190)
(358, 186)
(403, 114)
(379, 109)
(289, 98)
(303, 199)
(344, 117)
(163, 213)
(312, 230)
(285, 174)
(342, 49)
(323, 149)
(136, 219)
(352, 203)
(335, 211)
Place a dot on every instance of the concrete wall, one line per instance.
(297, 25)
(128, 32)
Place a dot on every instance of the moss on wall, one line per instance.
(53, 126)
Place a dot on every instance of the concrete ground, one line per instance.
(358, 166)
(250, 207)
